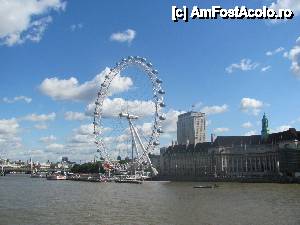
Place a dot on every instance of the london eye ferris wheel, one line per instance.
(130, 122)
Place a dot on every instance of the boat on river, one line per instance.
(128, 179)
(36, 175)
(56, 176)
(206, 186)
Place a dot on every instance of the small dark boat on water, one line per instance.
(206, 186)
(128, 181)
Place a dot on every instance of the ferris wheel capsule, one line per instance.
(155, 71)
(162, 117)
(161, 91)
(159, 130)
(156, 143)
(162, 104)
(149, 64)
(159, 81)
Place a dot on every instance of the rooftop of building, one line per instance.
(191, 113)
(289, 135)
(230, 141)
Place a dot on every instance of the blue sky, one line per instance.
(234, 70)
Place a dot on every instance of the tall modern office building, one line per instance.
(191, 128)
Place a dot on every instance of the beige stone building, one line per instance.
(191, 128)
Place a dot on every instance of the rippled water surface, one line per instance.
(24, 200)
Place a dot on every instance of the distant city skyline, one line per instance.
(54, 56)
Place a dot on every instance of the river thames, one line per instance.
(24, 200)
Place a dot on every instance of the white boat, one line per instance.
(128, 181)
(133, 179)
(56, 176)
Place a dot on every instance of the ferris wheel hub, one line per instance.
(128, 116)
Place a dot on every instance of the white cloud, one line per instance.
(294, 56)
(9, 126)
(75, 116)
(208, 122)
(9, 140)
(274, 52)
(81, 144)
(41, 126)
(294, 5)
(145, 129)
(170, 124)
(48, 139)
(221, 130)
(77, 26)
(126, 36)
(251, 105)
(54, 147)
(286, 55)
(112, 107)
(25, 20)
(70, 89)
(281, 128)
(197, 105)
(85, 129)
(17, 98)
(244, 65)
(123, 147)
(247, 125)
(251, 132)
(210, 110)
(84, 134)
(39, 118)
(266, 68)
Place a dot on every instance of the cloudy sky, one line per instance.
(55, 53)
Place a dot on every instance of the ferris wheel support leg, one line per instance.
(133, 137)
(143, 148)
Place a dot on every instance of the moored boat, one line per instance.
(206, 186)
(56, 176)
(128, 181)
(36, 175)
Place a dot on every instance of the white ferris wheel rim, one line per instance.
(157, 99)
